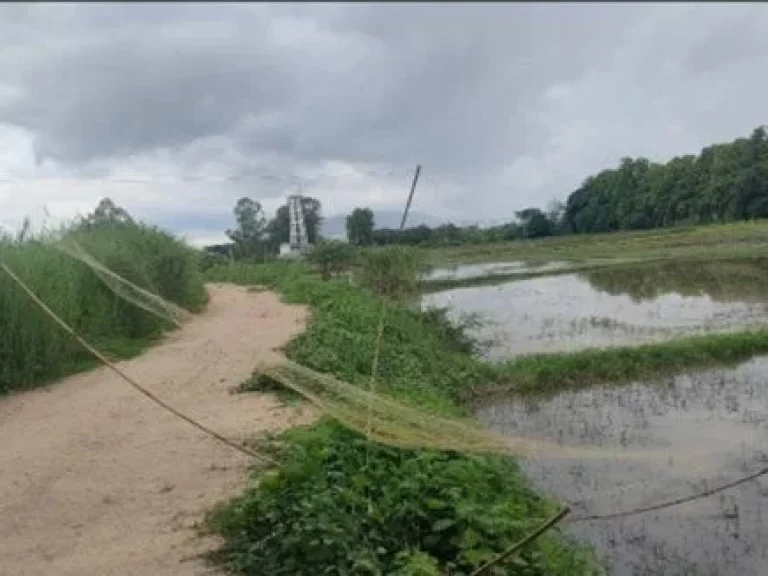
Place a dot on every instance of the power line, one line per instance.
(287, 179)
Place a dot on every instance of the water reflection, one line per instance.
(708, 428)
(722, 281)
(461, 271)
(611, 308)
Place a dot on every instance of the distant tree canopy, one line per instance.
(530, 223)
(248, 236)
(534, 223)
(724, 182)
(360, 225)
(105, 213)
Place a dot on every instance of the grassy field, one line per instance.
(733, 240)
(34, 351)
(337, 503)
(726, 262)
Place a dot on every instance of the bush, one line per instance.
(33, 350)
(208, 259)
(332, 257)
(393, 272)
(339, 504)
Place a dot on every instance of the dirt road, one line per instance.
(97, 480)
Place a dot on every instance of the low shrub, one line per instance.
(332, 257)
(341, 505)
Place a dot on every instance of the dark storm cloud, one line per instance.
(446, 84)
(512, 102)
(142, 77)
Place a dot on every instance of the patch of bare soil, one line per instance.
(95, 479)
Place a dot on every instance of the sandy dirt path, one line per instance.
(97, 480)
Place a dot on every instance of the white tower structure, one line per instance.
(297, 227)
(298, 234)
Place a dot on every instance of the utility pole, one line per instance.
(410, 196)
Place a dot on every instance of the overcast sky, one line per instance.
(177, 110)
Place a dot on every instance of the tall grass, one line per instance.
(33, 350)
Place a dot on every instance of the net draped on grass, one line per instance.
(128, 291)
(79, 272)
(378, 416)
(385, 420)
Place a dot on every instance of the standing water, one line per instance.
(609, 308)
(484, 269)
(676, 437)
(695, 432)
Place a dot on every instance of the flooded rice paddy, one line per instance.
(705, 429)
(681, 435)
(461, 271)
(608, 307)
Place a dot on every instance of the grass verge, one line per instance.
(34, 351)
(338, 504)
(544, 374)
(733, 240)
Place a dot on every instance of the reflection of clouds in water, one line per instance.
(565, 313)
(464, 271)
(703, 429)
(708, 428)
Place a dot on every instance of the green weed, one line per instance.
(341, 505)
(33, 350)
(552, 373)
(338, 504)
(332, 257)
(392, 272)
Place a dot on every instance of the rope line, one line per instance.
(671, 503)
(69, 330)
(515, 548)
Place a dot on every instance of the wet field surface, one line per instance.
(677, 437)
(461, 271)
(605, 308)
(664, 439)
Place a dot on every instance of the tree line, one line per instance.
(724, 182)
(529, 223)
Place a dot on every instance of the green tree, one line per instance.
(534, 223)
(556, 217)
(360, 224)
(724, 182)
(313, 217)
(107, 212)
(249, 234)
(278, 229)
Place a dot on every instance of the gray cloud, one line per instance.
(503, 104)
